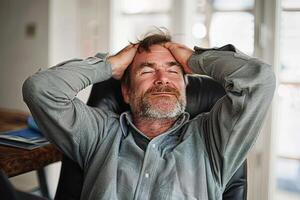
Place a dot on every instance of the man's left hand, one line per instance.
(181, 53)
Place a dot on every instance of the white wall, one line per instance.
(21, 55)
(63, 30)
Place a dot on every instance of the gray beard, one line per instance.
(146, 110)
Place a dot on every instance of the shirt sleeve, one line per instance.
(232, 126)
(69, 123)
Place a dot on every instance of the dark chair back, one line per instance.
(8, 192)
(202, 93)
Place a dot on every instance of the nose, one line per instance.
(161, 78)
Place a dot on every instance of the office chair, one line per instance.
(8, 192)
(202, 93)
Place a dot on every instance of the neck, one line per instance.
(153, 127)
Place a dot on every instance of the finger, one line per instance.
(170, 45)
(167, 45)
(126, 49)
(132, 47)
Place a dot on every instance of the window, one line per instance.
(288, 158)
(227, 21)
(224, 26)
(133, 17)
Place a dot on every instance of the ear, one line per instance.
(125, 92)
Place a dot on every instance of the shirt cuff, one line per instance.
(102, 67)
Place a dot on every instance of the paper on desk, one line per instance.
(26, 138)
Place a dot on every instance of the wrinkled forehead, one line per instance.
(157, 54)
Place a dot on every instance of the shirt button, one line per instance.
(153, 145)
(147, 175)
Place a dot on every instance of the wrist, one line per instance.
(115, 67)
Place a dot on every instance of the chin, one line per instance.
(162, 107)
(163, 111)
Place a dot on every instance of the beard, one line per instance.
(159, 102)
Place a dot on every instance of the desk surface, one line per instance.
(15, 161)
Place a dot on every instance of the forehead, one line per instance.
(157, 54)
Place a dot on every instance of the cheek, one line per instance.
(180, 84)
(136, 91)
(140, 86)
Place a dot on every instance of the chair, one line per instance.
(202, 93)
(8, 192)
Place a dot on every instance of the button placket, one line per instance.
(149, 167)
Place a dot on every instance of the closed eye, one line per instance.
(147, 70)
(173, 71)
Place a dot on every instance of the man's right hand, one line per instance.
(122, 60)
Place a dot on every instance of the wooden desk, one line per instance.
(15, 161)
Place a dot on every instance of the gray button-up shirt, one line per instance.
(194, 159)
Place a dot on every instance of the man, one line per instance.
(154, 151)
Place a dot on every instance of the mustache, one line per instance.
(162, 88)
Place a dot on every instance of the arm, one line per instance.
(231, 127)
(70, 124)
(233, 124)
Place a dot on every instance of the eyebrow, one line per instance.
(152, 65)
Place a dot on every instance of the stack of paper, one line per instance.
(27, 138)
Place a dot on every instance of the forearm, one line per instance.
(65, 80)
(233, 124)
(63, 118)
(225, 65)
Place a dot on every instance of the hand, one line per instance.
(181, 53)
(122, 60)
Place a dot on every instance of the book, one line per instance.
(27, 138)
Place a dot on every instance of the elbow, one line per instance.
(265, 80)
(31, 89)
(268, 77)
(272, 79)
(265, 75)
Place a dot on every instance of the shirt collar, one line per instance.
(126, 121)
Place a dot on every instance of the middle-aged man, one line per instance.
(154, 151)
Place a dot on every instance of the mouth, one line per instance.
(163, 94)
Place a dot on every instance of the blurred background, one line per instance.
(41, 33)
